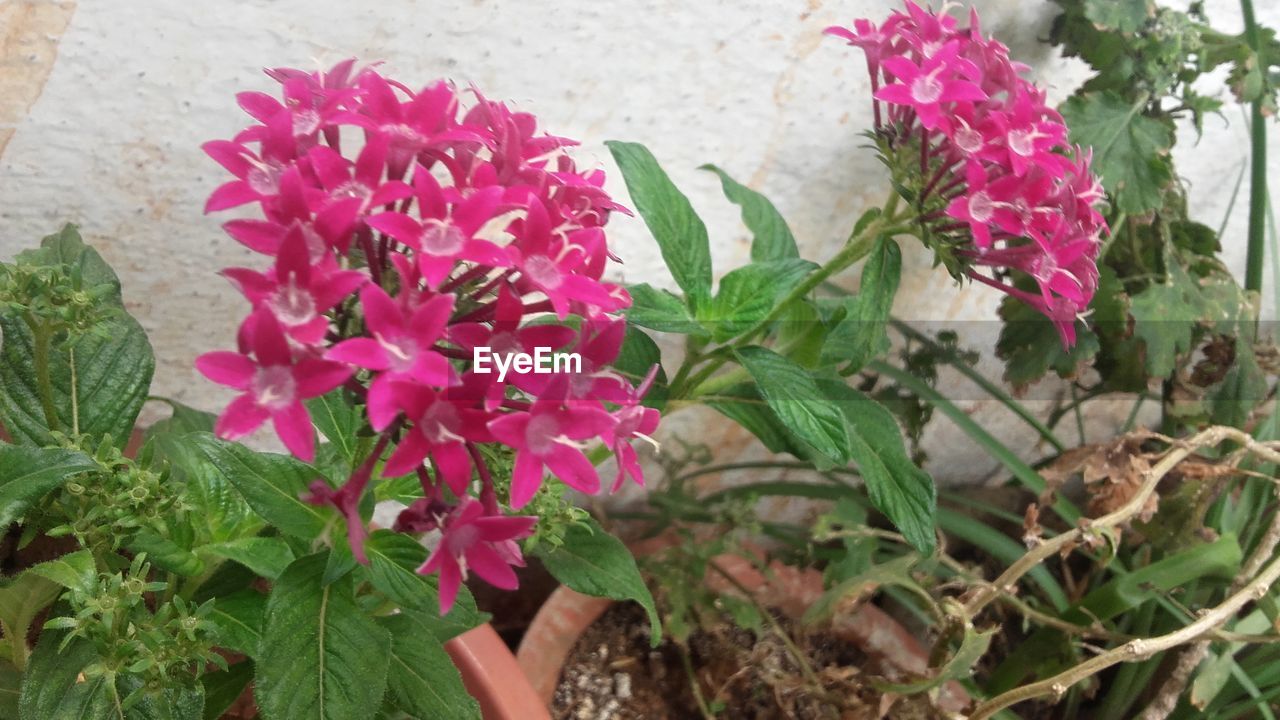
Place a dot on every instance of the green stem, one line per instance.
(857, 247)
(1258, 160)
(42, 344)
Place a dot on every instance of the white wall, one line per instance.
(108, 101)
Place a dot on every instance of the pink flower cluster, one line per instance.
(998, 180)
(402, 234)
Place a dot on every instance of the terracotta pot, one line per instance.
(567, 615)
(493, 678)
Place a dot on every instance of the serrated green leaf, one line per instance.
(681, 234)
(10, 689)
(747, 295)
(111, 370)
(166, 554)
(897, 486)
(339, 422)
(52, 689)
(394, 559)
(862, 334)
(219, 511)
(772, 239)
(272, 485)
(21, 599)
(266, 556)
(593, 562)
(238, 618)
(744, 405)
(660, 310)
(1130, 150)
(1123, 15)
(1164, 316)
(321, 657)
(73, 571)
(794, 397)
(1030, 345)
(422, 680)
(172, 703)
(28, 474)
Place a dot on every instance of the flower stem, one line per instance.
(42, 342)
(1258, 164)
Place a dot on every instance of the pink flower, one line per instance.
(443, 424)
(401, 347)
(447, 233)
(296, 292)
(925, 87)
(550, 435)
(498, 229)
(997, 185)
(274, 386)
(471, 541)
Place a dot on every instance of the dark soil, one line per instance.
(613, 674)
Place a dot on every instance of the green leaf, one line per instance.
(166, 554)
(394, 559)
(73, 571)
(744, 405)
(172, 703)
(1030, 345)
(638, 355)
(794, 397)
(111, 369)
(681, 235)
(1164, 315)
(422, 680)
(266, 556)
(339, 422)
(66, 247)
(21, 599)
(772, 238)
(223, 687)
(10, 689)
(219, 511)
(861, 335)
(52, 689)
(593, 562)
(320, 656)
(1123, 15)
(28, 474)
(1130, 150)
(747, 295)
(182, 420)
(238, 618)
(660, 310)
(897, 486)
(272, 485)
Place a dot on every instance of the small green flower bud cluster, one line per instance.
(169, 646)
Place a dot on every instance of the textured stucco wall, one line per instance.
(107, 102)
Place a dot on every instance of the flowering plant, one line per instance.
(444, 234)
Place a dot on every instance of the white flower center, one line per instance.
(981, 207)
(292, 305)
(926, 89)
(543, 271)
(274, 387)
(442, 238)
